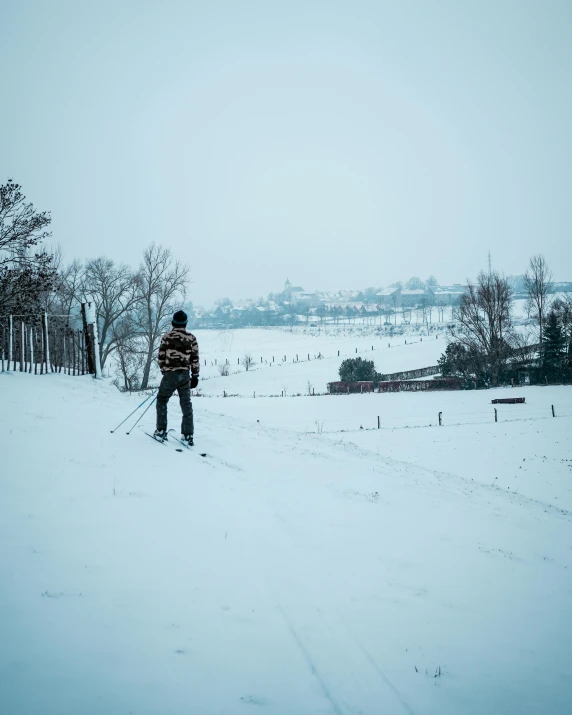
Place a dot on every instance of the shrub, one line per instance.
(357, 370)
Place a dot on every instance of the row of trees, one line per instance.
(486, 347)
(133, 306)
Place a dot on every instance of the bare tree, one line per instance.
(21, 226)
(538, 284)
(128, 357)
(161, 288)
(395, 301)
(524, 349)
(26, 270)
(485, 322)
(115, 292)
(224, 369)
(414, 283)
(68, 289)
(247, 361)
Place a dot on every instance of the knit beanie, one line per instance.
(180, 319)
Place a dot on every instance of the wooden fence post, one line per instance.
(378, 422)
(88, 342)
(42, 347)
(10, 343)
(496, 415)
(22, 347)
(440, 413)
(46, 342)
(553, 415)
(31, 348)
(95, 339)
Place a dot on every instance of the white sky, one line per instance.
(340, 144)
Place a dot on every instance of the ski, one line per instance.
(180, 441)
(160, 441)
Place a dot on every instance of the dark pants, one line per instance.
(177, 380)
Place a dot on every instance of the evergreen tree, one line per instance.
(553, 341)
(463, 362)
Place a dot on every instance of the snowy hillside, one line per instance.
(297, 568)
(271, 374)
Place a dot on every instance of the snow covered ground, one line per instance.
(297, 568)
(267, 376)
(285, 360)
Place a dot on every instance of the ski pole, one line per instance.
(142, 415)
(132, 413)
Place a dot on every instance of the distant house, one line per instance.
(411, 297)
(389, 297)
(448, 295)
(562, 287)
(306, 298)
(292, 294)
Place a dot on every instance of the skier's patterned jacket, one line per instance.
(179, 350)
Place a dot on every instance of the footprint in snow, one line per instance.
(60, 594)
(253, 700)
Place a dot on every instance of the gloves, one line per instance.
(194, 381)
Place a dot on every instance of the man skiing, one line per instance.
(178, 353)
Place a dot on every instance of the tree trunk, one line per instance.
(88, 342)
(147, 369)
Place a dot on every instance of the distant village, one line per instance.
(415, 300)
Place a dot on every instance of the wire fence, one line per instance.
(437, 419)
(276, 360)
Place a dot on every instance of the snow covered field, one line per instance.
(412, 346)
(390, 354)
(296, 569)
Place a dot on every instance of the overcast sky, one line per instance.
(339, 144)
